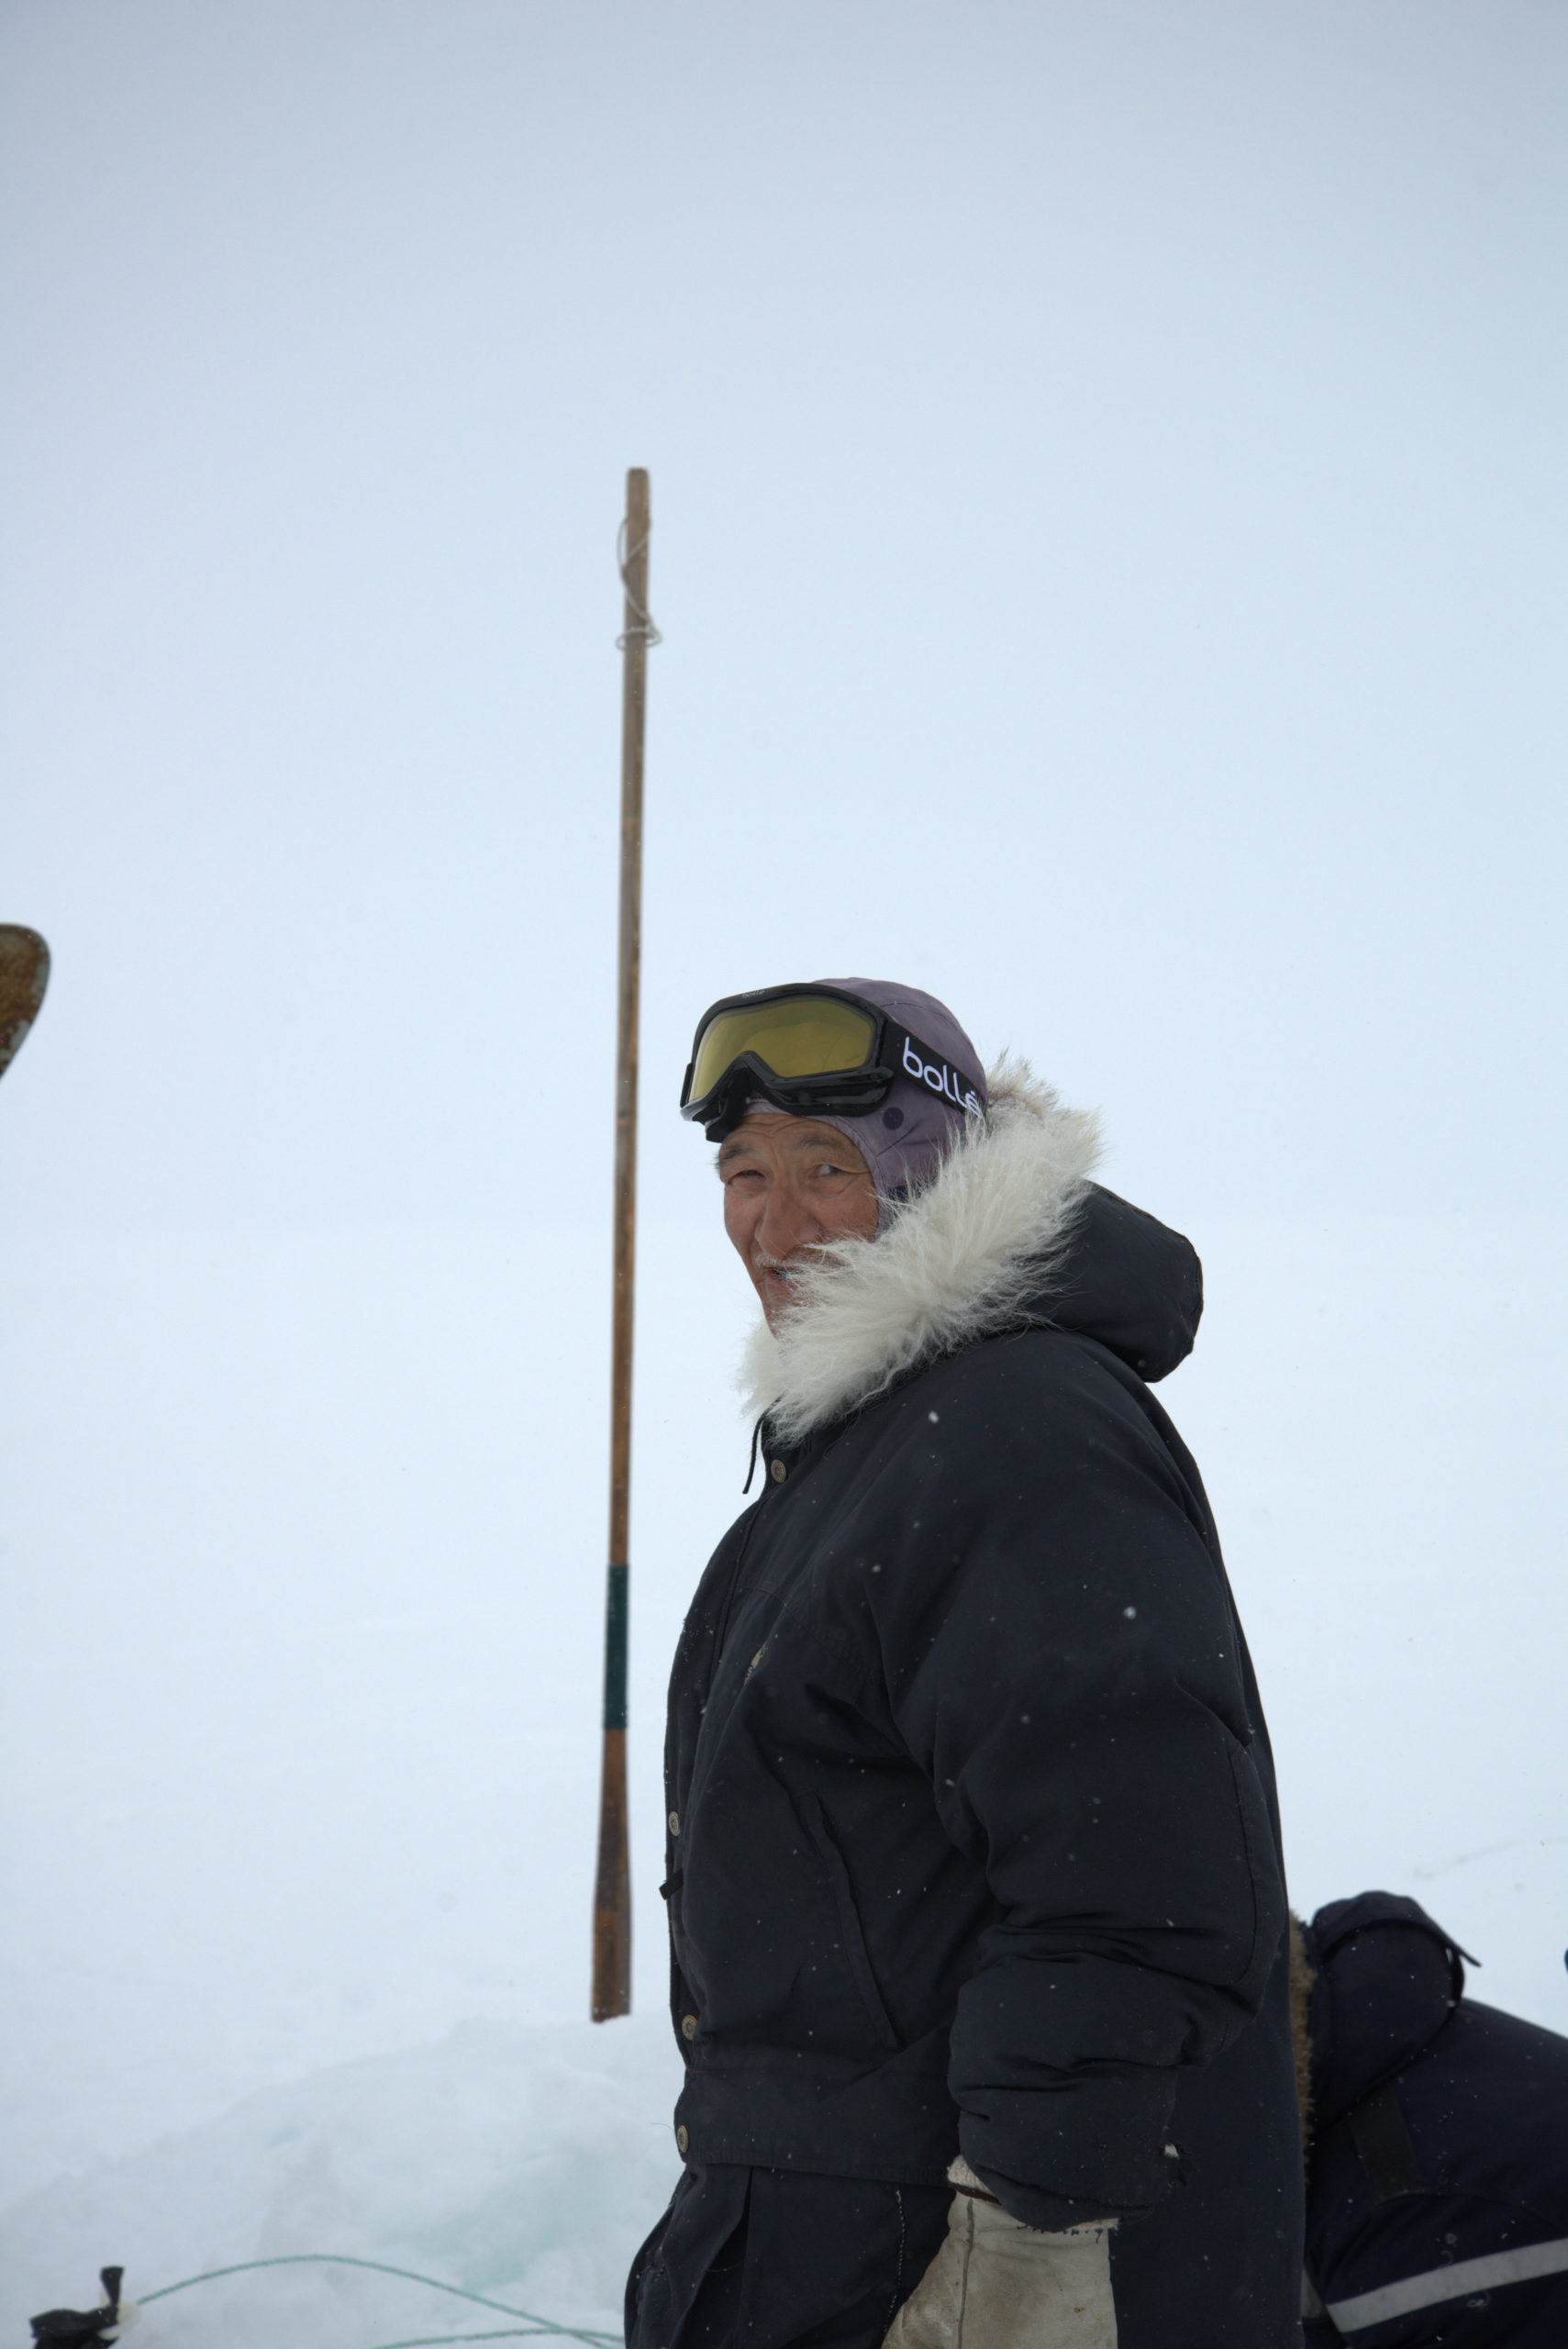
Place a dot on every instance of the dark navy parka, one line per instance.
(973, 1839)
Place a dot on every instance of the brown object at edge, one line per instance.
(612, 1891)
(23, 975)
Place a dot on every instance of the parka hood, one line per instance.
(1385, 1979)
(1009, 1233)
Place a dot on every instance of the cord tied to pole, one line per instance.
(630, 560)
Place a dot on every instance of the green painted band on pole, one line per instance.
(615, 1649)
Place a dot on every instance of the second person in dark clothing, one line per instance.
(1437, 2173)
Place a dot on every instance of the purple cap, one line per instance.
(902, 1140)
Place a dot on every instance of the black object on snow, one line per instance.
(1438, 2179)
(65, 2325)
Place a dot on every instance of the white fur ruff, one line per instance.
(952, 1264)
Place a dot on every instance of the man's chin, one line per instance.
(778, 1301)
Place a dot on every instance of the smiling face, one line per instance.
(789, 1184)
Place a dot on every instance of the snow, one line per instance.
(300, 1730)
(302, 1715)
(522, 2164)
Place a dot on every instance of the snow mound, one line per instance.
(524, 2163)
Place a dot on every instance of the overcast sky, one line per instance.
(1109, 539)
(1110, 545)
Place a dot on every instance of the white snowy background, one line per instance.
(1109, 539)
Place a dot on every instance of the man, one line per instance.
(976, 1909)
(1437, 2181)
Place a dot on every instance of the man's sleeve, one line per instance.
(1072, 1686)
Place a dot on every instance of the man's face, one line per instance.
(789, 1184)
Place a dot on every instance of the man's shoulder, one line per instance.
(1023, 1381)
(1043, 1413)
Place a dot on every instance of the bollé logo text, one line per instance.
(941, 1079)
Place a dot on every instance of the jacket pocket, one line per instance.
(850, 1927)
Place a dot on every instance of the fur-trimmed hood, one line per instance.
(1011, 1229)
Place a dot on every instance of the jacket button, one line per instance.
(778, 1471)
(688, 2026)
(681, 2139)
(674, 1822)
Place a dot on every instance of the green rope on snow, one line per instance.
(439, 2340)
(536, 2324)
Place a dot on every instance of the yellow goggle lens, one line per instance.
(800, 1035)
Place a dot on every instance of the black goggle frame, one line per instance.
(853, 1092)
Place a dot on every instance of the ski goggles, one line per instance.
(805, 1048)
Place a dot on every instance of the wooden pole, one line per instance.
(612, 1892)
